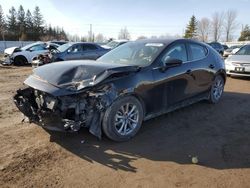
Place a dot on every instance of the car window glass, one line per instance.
(177, 51)
(75, 49)
(89, 47)
(37, 47)
(244, 51)
(198, 51)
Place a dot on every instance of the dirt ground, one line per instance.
(159, 156)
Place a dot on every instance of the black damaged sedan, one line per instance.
(130, 84)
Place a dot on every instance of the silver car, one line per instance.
(239, 63)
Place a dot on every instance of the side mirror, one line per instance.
(171, 63)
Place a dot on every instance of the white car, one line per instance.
(232, 50)
(114, 43)
(239, 63)
(24, 55)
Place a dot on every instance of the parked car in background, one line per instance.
(231, 50)
(225, 47)
(218, 47)
(239, 63)
(114, 44)
(78, 50)
(58, 42)
(236, 50)
(132, 83)
(24, 55)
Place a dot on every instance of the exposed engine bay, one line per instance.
(66, 113)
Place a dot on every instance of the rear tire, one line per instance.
(217, 89)
(20, 61)
(123, 119)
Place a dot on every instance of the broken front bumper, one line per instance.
(27, 103)
(65, 113)
(7, 59)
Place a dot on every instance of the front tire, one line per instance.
(123, 119)
(217, 89)
(20, 61)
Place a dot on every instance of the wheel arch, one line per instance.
(20, 56)
(222, 73)
(137, 96)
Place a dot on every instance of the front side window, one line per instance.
(198, 51)
(177, 51)
(75, 49)
(37, 48)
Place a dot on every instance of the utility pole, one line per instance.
(90, 33)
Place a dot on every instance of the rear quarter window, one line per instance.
(197, 51)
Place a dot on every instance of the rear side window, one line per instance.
(197, 51)
(89, 47)
(177, 51)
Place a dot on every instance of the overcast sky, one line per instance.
(141, 17)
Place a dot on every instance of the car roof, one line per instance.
(168, 41)
(121, 40)
(81, 43)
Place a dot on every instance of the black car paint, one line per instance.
(159, 90)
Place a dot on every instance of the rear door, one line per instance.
(90, 51)
(35, 51)
(201, 67)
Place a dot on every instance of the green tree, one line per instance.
(245, 34)
(21, 21)
(12, 24)
(2, 23)
(29, 25)
(37, 23)
(191, 30)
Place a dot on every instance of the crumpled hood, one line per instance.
(10, 50)
(239, 58)
(76, 75)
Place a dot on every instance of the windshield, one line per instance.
(245, 50)
(134, 53)
(112, 44)
(64, 47)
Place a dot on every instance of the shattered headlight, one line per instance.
(44, 100)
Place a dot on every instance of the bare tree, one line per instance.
(230, 24)
(203, 29)
(217, 25)
(99, 38)
(141, 37)
(124, 34)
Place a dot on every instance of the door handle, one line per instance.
(211, 66)
(188, 71)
